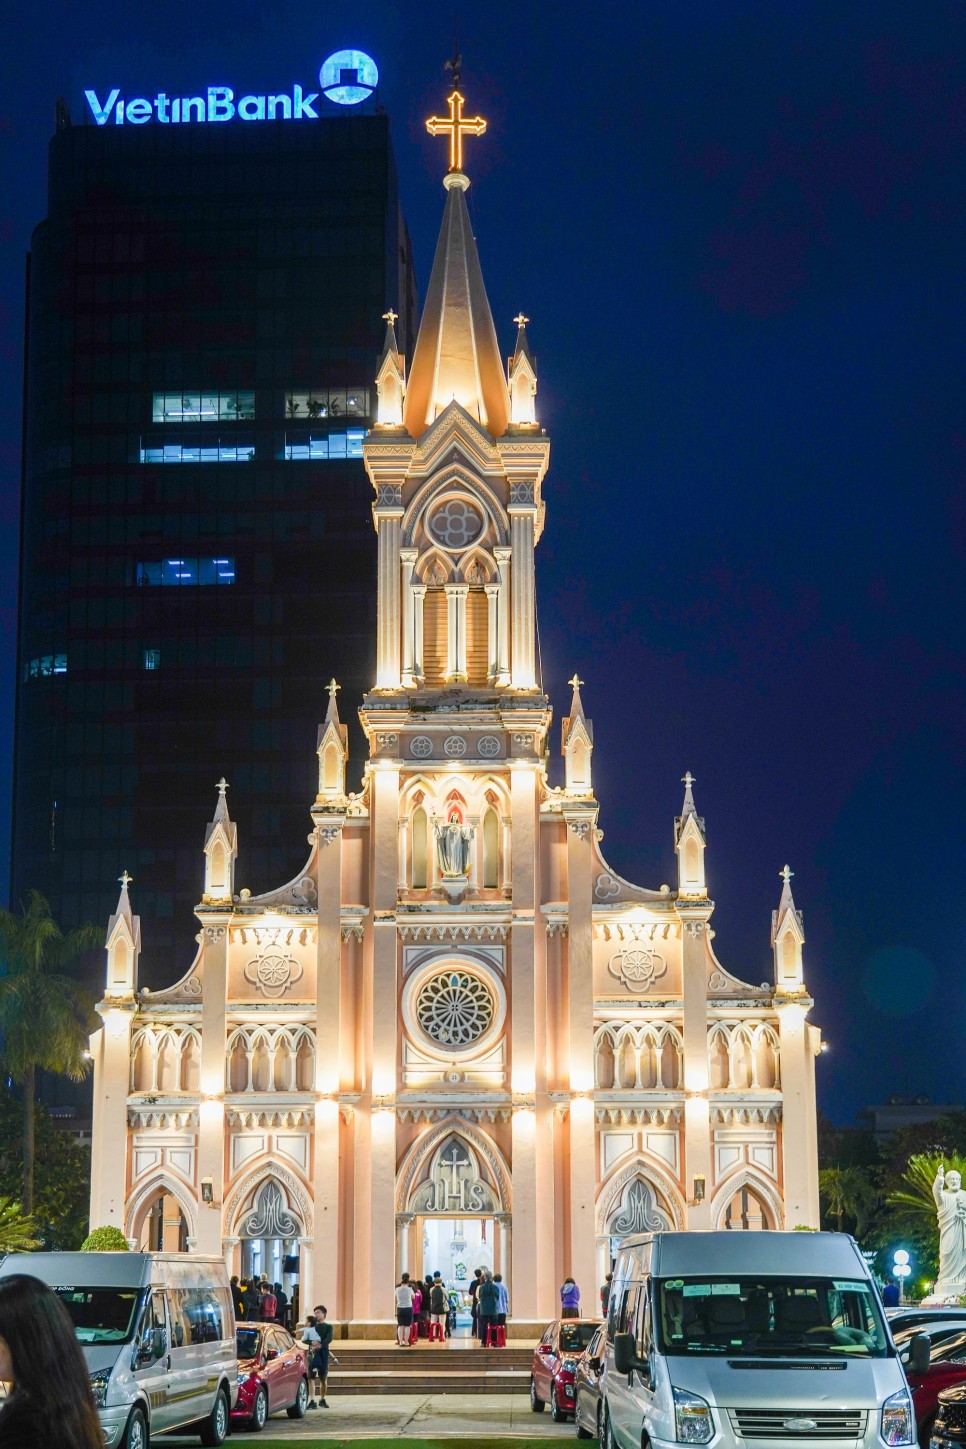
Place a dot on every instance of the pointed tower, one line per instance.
(332, 750)
(123, 946)
(458, 507)
(522, 379)
(390, 378)
(689, 844)
(221, 851)
(787, 940)
(577, 745)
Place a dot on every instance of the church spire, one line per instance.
(577, 745)
(522, 379)
(788, 938)
(690, 843)
(123, 946)
(390, 377)
(457, 356)
(332, 749)
(221, 849)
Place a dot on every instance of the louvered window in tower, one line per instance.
(477, 642)
(434, 637)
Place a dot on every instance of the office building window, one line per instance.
(218, 451)
(152, 658)
(202, 407)
(322, 402)
(182, 573)
(327, 445)
(45, 665)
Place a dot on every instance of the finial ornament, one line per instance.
(576, 682)
(520, 320)
(333, 688)
(688, 779)
(391, 317)
(222, 786)
(125, 879)
(786, 874)
(456, 125)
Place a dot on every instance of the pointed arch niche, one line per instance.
(745, 1202)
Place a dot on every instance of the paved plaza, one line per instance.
(468, 1417)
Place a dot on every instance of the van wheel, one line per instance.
(214, 1429)
(297, 1411)
(536, 1404)
(136, 1435)
(259, 1411)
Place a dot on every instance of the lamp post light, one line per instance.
(901, 1268)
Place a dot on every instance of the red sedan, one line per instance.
(272, 1374)
(946, 1368)
(555, 1363)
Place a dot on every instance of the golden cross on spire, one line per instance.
(456, 126)
(576, 682)
(520, 320)
(390, 317)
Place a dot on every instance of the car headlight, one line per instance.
(569, 1365)
(693, 1423)
(243, 1378)
(100, 1379)
(898, 1420)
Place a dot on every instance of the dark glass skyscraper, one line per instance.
(197, 552)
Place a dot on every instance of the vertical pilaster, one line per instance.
(111, 1049)
(419, 595)
(523, 661)
(327, 1169)
(697, 1121)
(456, 632)
(388, 629)
(799, 1127)
(492, 592)
(211, 1127)
(579, 1254)
(502, 656)
(407, 558)
(380, 1228)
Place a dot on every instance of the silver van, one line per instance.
(158, 1333)
(747, 1340)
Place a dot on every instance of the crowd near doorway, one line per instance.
(455, 1248)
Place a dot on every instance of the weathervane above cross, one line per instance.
(456, 126)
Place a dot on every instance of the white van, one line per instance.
(747, 1340)
(158, 1333)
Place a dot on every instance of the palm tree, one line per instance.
(17, 1233)
(45, 1016)
(847, 1192)
(913, 1199)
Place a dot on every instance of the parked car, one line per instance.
(930, 1370)
(555, 1364)
(587, 1387)
(949, 1425)
(708, 1335)
(272, 1374)
(158, 1334)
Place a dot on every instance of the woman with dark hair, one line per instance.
(49, 1403)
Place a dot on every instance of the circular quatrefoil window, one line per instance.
(454, 1008)
(455, 524)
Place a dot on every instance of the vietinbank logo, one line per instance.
(346, 78)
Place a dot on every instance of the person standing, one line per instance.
(324, 1331)
(605, 1293)
(281, 1297)
(268, 1304)
(488, 1300)
(404, 1311)
(569, 1299)
(503, 1305)
(310, 1337)
(438, 1305)
(237, 1298)
(474, 1305)
(49, 1402)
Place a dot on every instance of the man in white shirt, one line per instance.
(404, 1311)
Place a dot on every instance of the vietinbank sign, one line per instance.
(347, 77)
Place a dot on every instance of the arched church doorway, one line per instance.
(270, 1231)
(163, 1227)
(746, 1212)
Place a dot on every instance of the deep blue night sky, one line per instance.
(738, 230)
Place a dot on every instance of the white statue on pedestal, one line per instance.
(951, 1208)
(453, 846)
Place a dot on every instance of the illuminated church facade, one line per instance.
(458, 1036)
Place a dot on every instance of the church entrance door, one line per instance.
(456, 1247)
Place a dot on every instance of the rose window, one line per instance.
(456, 524)
(454, 1008)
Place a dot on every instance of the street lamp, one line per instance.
(901, 1268)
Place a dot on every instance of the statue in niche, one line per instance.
(453, 846)
(951, 1210)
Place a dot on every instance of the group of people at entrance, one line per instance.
(428, 1309)
(257, 1300)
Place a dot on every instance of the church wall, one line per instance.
(355, 863)
(553, 859)
(654, 969)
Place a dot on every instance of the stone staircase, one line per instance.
(429, 1369)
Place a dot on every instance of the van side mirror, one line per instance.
(272, 1353)
(625, 1359)
(920, 1349)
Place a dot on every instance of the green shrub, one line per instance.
(105, 1240)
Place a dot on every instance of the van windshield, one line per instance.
(101, 1315)
(769, 1317)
